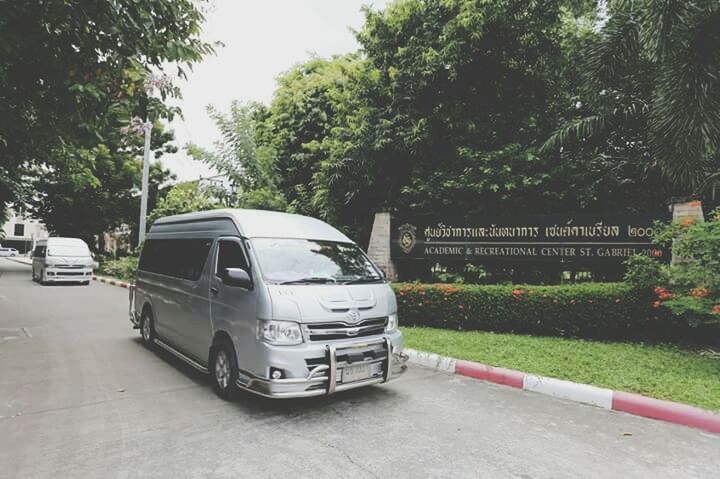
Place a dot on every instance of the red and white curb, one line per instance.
(111, 281)
(583, 393)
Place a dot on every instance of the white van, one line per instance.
(277, 304)
(62, 259)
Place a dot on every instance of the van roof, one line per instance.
(58, 239)
(265, 224)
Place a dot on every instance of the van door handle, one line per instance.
(213, 290)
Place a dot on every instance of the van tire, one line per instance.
(224, 369)
(147, 328)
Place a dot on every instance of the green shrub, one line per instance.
(123, 268)
(590, 310)
(688, 288)
(644, 272)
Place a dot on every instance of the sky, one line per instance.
(262, 39)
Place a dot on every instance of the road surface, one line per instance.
(81, 397)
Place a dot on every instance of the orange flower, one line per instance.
(699, 293)
(663, 294)
(517, 292)
(715, 309)
(686, 222)
(656, 304)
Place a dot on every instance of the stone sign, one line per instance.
(571, 238)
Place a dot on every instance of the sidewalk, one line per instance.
(20, 259)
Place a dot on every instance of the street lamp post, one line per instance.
(145, 179)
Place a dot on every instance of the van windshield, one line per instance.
(68, 250)
(301, 261)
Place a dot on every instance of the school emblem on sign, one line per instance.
(407, 237)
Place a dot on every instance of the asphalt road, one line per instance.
(81, 397)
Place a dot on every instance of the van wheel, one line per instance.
(147, 328)
(224, 369)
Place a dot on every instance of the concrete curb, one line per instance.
(635, 404)
(111, 281)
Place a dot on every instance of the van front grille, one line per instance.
(343, 330)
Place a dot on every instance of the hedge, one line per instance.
(122, 268)
(591, 310)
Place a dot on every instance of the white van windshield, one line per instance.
(299, 261)
(68, 250)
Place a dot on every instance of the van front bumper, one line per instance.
(382, 358)
(53, 275)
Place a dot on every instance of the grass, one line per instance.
(660, 371)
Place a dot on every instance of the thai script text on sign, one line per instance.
(565, 238)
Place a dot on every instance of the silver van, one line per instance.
(278, 304)
(62, 260)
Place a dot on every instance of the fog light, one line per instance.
(276, 373)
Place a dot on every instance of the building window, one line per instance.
(19, 229)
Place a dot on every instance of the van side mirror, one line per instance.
(236, 277)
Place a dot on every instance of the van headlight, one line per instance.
(392, 323)
(281, 333)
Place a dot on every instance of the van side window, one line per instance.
(230, 255)
(179, 258)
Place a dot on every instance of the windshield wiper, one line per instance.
(367, 279)
(312, 279)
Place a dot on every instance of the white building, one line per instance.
(21, 232)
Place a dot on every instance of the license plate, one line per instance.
(358, 372)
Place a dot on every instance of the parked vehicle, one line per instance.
(277, 304)
(62, 260)
(9, 252)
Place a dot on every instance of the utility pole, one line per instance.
(145, 179)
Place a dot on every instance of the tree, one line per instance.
(250, 169)
(185, 198)
(445, 107)
(90, 191)
(73, 72)
(655, 66)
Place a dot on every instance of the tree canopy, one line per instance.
(485, 107)
(652, 89)
(73, 72)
